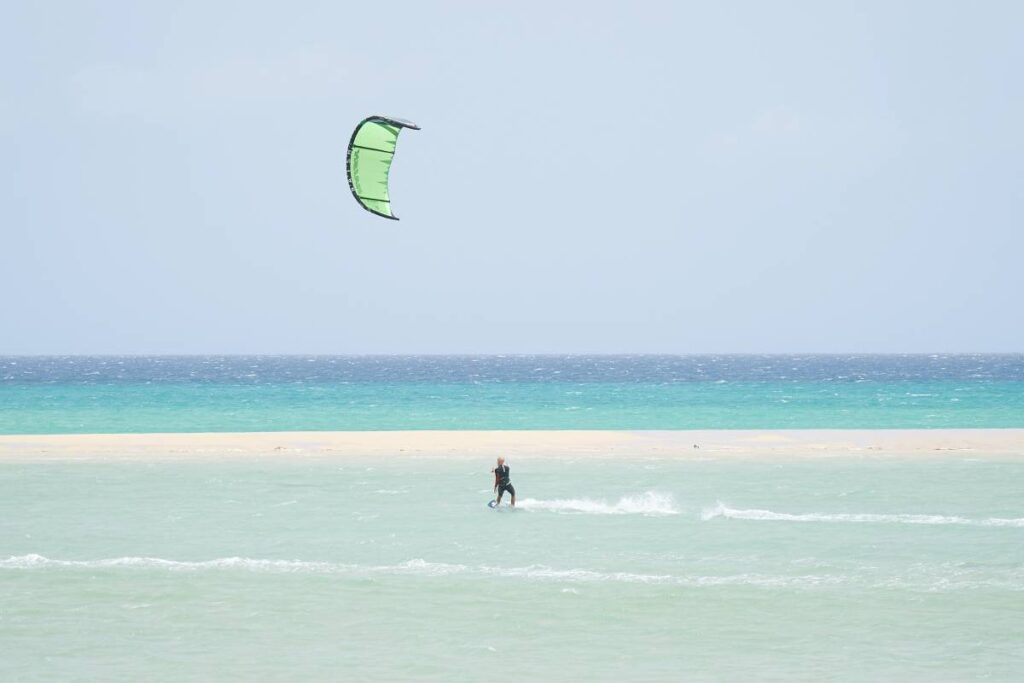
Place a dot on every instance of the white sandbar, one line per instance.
(615, 444)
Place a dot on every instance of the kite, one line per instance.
(368, 162)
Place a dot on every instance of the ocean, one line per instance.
(51, 395)
(610, 570)
(817, 567)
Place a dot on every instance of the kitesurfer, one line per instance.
(502, 482)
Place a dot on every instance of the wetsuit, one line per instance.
(501, 480)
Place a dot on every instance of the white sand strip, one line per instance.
(616, 444)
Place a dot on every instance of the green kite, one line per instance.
(368, 162)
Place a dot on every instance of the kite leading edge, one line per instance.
(368, 161)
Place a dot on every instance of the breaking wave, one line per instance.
(417, 568)
(245, 563)
(935, 579)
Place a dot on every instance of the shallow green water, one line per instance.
(623, 569)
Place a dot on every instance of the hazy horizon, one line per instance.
(779, 354)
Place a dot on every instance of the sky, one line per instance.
(632, 177)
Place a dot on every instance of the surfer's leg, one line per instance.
(512, 492)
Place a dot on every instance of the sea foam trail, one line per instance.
(649, 503)
(721, 510)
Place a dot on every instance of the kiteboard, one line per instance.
(493, 504)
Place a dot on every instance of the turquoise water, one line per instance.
(628, 569)
(202, 394)
(393, 568)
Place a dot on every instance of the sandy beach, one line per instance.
(524, 444)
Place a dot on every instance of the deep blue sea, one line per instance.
(82, 394)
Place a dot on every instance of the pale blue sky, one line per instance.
(629, 177)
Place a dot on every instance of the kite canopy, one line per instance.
(368, 161)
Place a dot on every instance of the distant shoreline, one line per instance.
(677, 444)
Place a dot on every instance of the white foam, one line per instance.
(416, 567)
(649, 503)
(573, 575)
(33, 561)
(422, 568)
(721, 510)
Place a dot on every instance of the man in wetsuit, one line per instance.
(502, 482)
